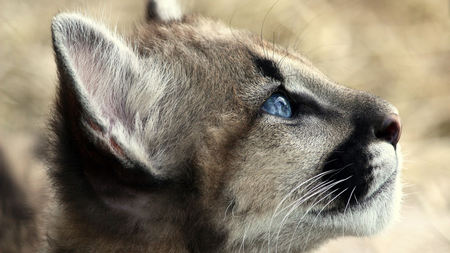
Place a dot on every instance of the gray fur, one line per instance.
(184, 99)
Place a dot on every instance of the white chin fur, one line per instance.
(362, 219)
(371, 216)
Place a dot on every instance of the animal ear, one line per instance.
(99, 75)
(163, 10)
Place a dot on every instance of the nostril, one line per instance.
(390, 129)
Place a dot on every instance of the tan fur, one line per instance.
(162, 145)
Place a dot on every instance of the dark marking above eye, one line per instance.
(268, 68)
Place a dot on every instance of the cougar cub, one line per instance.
(194, 137)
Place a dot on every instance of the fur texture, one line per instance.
(161, 145)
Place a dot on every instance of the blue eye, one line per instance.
(278, 105)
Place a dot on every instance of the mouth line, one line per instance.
(361, 203)
(381, 188)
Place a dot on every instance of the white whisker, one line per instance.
(306, 213)
(302, 200)
(323, 208)
(315, 203)
(346, 206)
(312, 179)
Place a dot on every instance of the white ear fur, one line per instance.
(167, 10)
(103, 70)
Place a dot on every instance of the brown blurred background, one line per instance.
(399, 50)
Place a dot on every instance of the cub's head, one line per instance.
(192, 136)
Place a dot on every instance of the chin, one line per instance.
(370, 215)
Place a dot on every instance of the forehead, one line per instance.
(195, 34)
(192, 35)
(216, 51)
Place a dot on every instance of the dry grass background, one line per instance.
(399, 50)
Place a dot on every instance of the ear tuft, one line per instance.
(163, 10)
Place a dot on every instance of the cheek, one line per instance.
(271, 162)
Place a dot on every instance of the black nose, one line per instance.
(390, 129)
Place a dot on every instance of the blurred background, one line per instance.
(399, 50)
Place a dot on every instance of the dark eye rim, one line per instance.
(301, 104)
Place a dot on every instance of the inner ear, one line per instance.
(163, 10)
(102, 86)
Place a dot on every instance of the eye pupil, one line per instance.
(278, 105)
